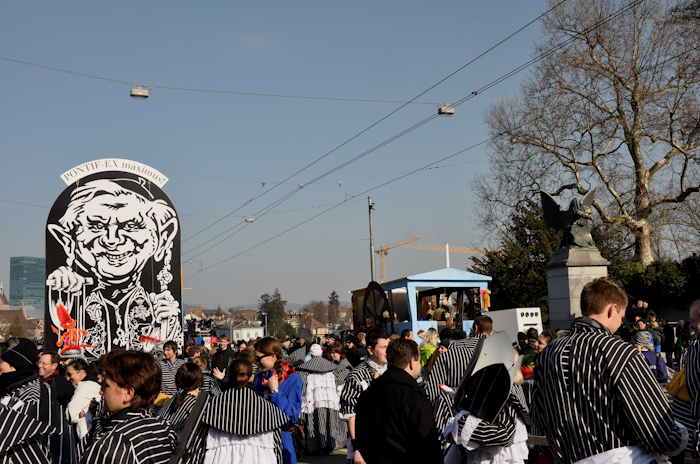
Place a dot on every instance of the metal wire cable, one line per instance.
(424, 121)
(375, 123)
(346, 200)
(212, 91)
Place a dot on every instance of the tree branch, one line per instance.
(680, 198)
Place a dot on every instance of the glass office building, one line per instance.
(27, 279)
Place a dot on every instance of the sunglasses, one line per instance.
(258, 357)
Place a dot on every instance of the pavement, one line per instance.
(336, 457)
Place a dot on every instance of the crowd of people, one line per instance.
(593, 393)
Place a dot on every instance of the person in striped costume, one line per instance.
(168, 367)
(236, 425)
(189, 381)
(491, 425)
(359, 380)
(594, 397)
(444, 379)
(31, 420)
(129, 435)
(320, 405)
(239, 425)
(688, 412)
(449, 370)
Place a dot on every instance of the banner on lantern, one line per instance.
(112, 261)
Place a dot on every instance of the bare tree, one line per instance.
(317, 310)
(617, 110)
(687, 11)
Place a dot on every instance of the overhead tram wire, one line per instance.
(426, 167)
(473, 94)
(346, 200)
(211, 91)
(384, 184)
(377, 122)
(230, 233)
(354, 197)
(391, 181)
(429, 166)
(233, 231)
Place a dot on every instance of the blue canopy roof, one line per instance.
(449, 273)
(444, 276)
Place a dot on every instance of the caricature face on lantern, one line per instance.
(117, 234)
(110, 231)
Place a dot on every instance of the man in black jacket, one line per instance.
(48, 364)
(224, 356)
(353, 352)
(394, 422)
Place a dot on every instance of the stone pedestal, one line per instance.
(569, 270)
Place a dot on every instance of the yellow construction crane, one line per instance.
(452, 249)
(383, 251)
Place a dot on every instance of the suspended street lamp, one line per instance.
(446, 110)
(140, 91)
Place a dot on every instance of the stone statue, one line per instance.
(576, 222)
(576, 262)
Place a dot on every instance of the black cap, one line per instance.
(20, 354)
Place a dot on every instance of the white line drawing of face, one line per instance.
(113, 230)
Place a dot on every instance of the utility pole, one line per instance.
(370, 207)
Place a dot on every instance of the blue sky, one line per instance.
(217, 149)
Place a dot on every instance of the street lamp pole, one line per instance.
(370, 207)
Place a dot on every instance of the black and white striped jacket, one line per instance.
(297, 356)
(501, 431)
(32, 425)
(688, 412)
(449, 370)
(168, 371)
(594, 393)
(357, 382)
(212, 384)
(131, 437)
(314, 366)
(177, 416)
(242, 412)
(23, 436)
(238, 411)
(195, 446)
(451, 366)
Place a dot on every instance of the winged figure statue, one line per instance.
(576, 222)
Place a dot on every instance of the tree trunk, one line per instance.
(642, 245)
